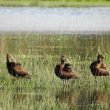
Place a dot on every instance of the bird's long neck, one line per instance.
(62, 64)
(8, 60)
(98, 61)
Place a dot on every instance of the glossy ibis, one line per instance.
(15, 69)
(64, 70)
(98, 68)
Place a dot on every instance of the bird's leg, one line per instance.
(17, 78)
(64, 83)
(13, 80)
(96, 80)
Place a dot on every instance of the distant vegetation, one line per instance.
(55, 3)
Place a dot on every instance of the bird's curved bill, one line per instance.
(13, 59)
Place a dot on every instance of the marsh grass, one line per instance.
(39, 54)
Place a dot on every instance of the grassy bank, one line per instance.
(55, 3)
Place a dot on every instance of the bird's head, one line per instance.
(10, 58)
(100, 58)
(63, 59)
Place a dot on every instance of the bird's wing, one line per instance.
(67, 67)
(18, 64)
(67, 64)
(69, 75)
(20, 70)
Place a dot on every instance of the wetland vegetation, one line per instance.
(39, 54)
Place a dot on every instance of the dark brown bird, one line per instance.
(98, 68)
(15, 69)
(64, 70)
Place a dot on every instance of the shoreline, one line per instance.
(54, 4)
(88, 33)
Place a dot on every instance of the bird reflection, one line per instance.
(83, 98)
(68, 96)
(100, 96)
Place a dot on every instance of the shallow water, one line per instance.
(55, 20)
(74, 99)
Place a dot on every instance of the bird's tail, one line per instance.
(76, 76)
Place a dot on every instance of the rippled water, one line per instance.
(63, 20)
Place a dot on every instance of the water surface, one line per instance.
(55, 20)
